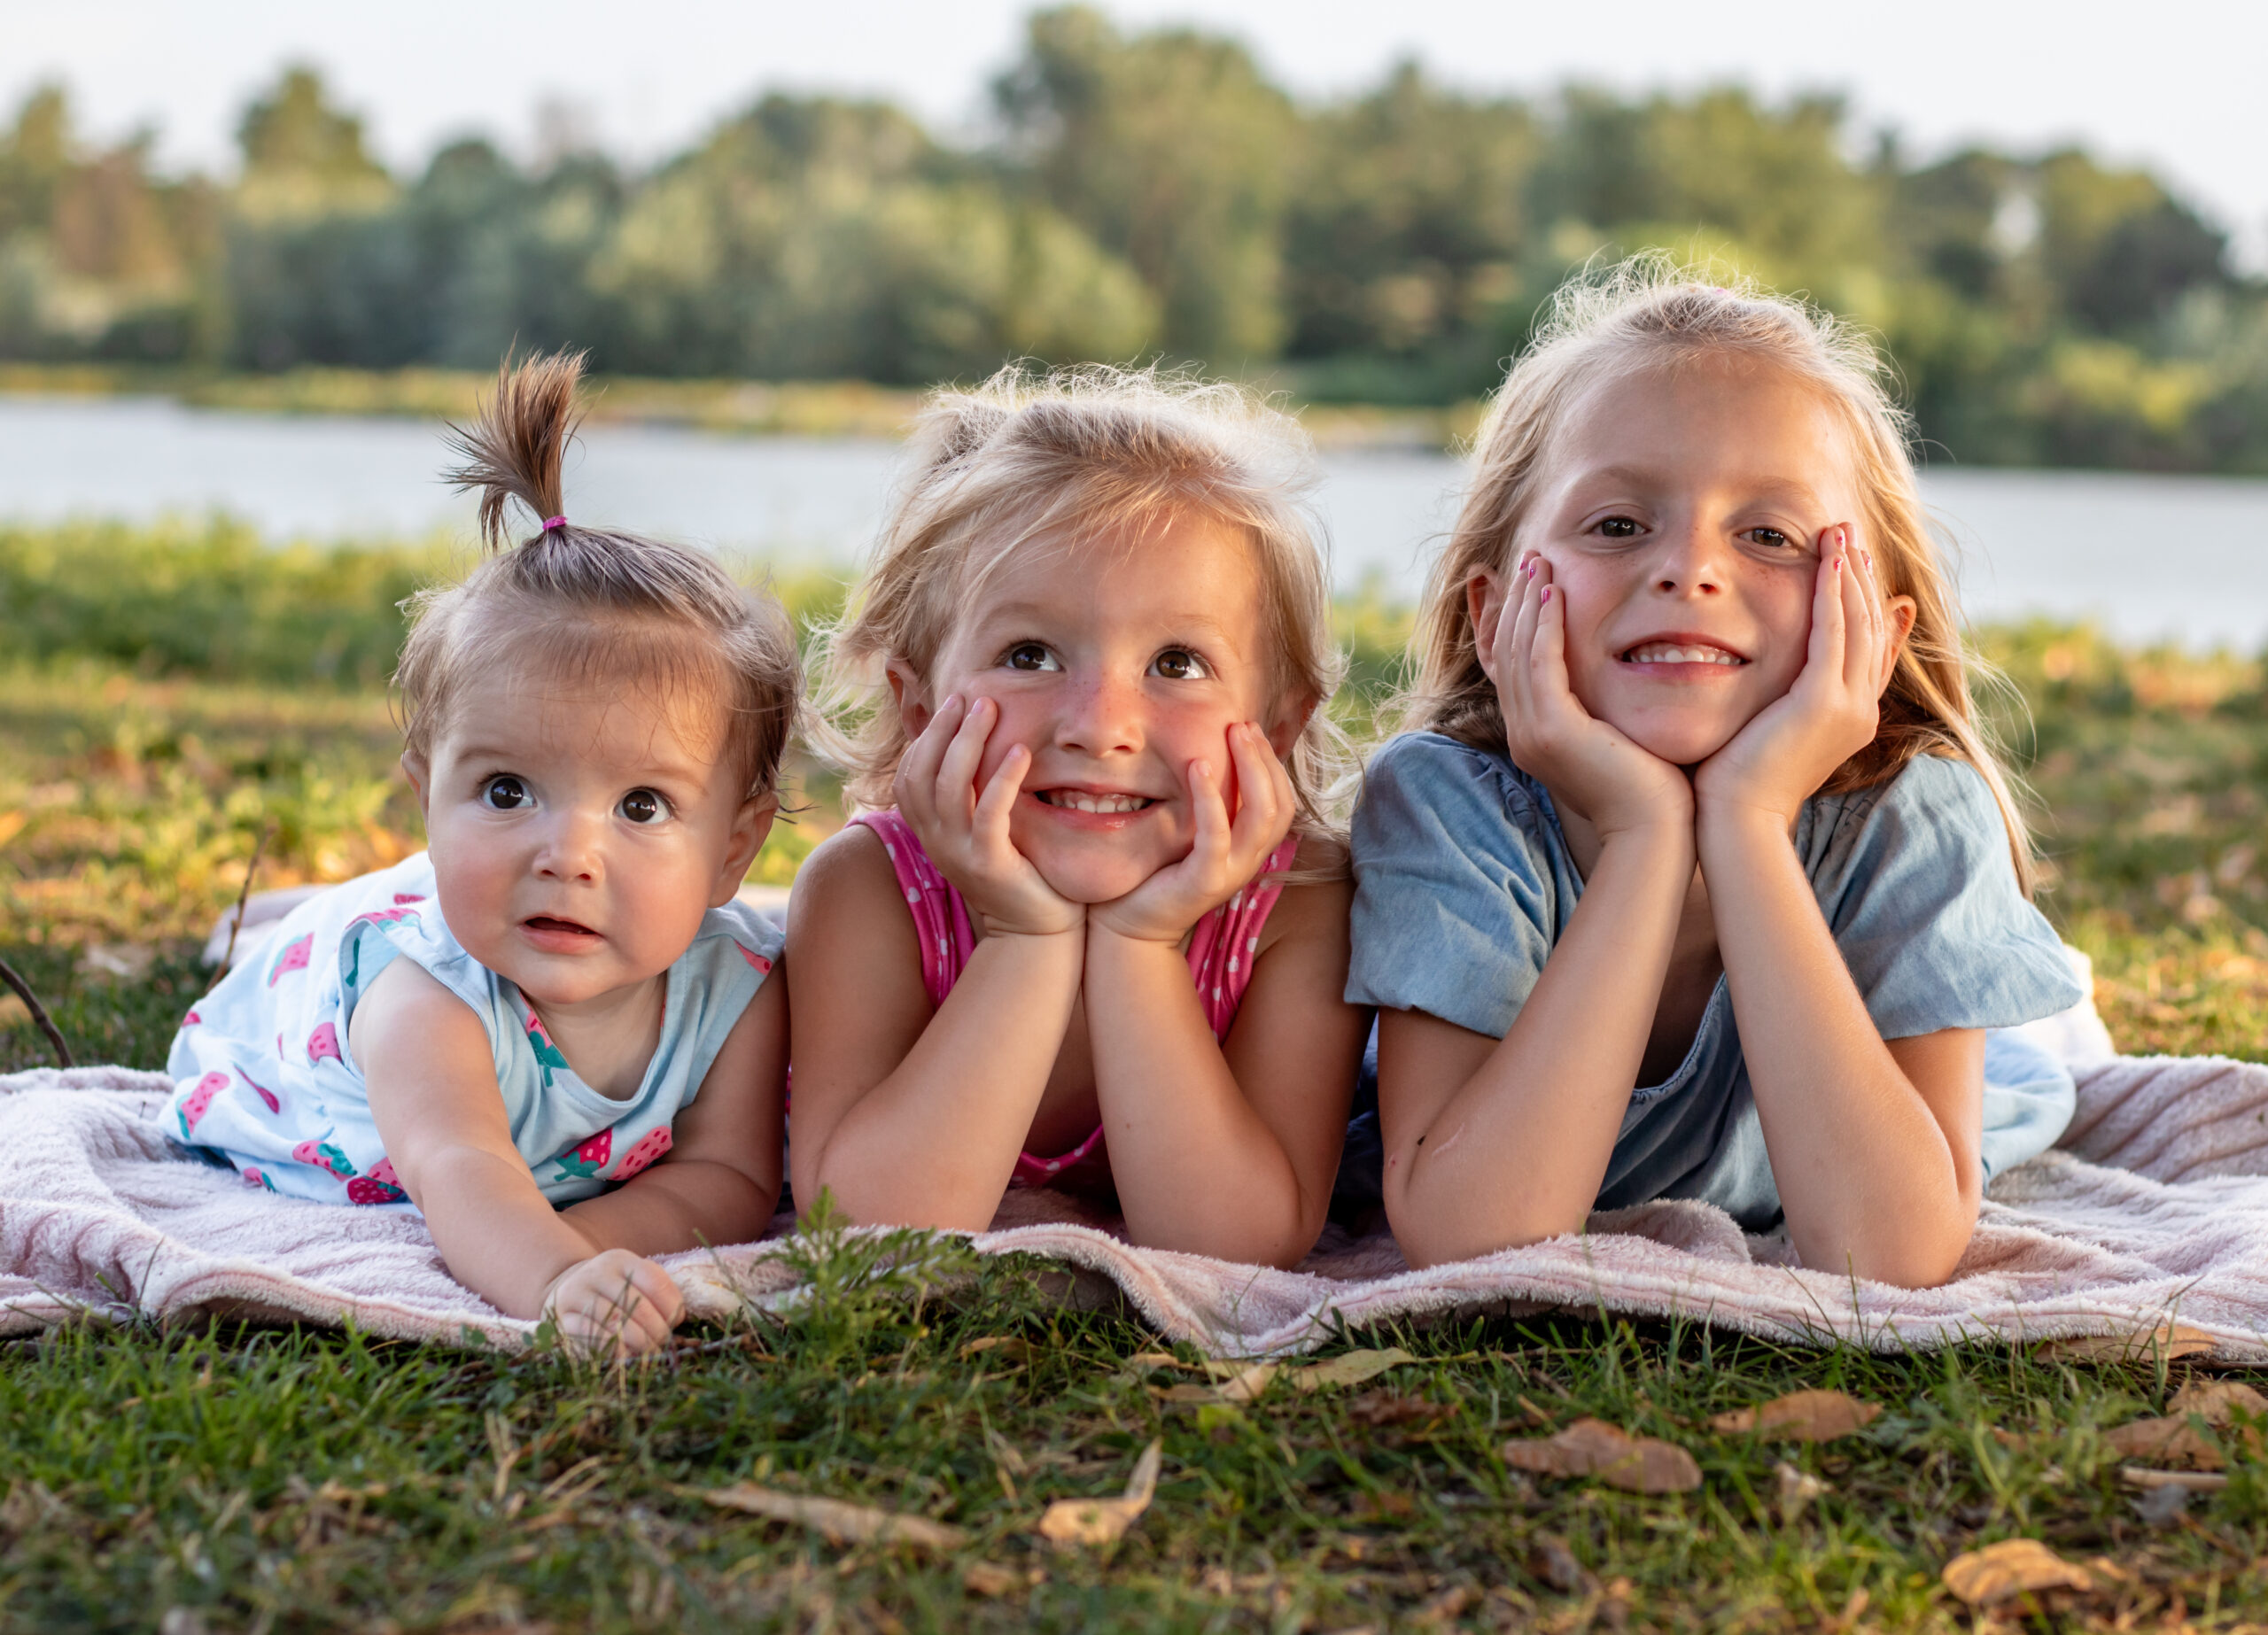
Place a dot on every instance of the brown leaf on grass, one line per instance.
(1381, 1408)
(2167, 1340)
(1011, 1348)
(1105, 1521)
(839, 1523)
(1591, 1447)
(1549, 1560)
(1241, 1384)
(992, 1578)
(2013, 1567)
(2167, 1441)
(2218, 1401)
(1802, 1416)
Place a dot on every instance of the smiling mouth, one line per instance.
(1082, 800)
(1681, 652)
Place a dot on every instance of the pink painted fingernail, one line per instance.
(1547, 593)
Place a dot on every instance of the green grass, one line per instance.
(263, 1478)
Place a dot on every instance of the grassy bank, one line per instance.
(737, 407)
(258, 1479)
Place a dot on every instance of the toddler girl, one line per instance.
(1090, 929)
(1700, 881)
(560, 1003)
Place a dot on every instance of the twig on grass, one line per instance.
(39, 1013)
(244, 895)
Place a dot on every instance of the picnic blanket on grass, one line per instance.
(2156, 1210)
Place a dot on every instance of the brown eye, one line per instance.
(1178, 664)
(1029, 655)
(1771, 538)
(507, 793)
(643, 806)
(1619, 528)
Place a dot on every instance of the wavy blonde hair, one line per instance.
(1053, 460)
(592, 606)
(1646, 314)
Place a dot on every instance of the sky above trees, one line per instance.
(2173, 87)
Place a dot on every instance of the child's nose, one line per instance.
(573, 847)
(1692, 561)
(1101, 717)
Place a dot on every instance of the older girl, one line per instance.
(1699, 880)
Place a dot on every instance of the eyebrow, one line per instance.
(1639, 476)
(667, 768)
(1020, 612)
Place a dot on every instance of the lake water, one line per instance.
(2145, 557)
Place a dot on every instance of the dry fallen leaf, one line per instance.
(2168, 1441)
(2167, 1340)
(1380, 1408)
(1242, 1384)
(1012, 1348)
(2013, 1567)
(1802, 1416)
(1351, 1370)
(1591, 1447)
(1105, 1521)
(1797, 1489)
(838, 1522)
(2196, 1481)
(2218, 1401)
(1551, 1560)
(991, 1579)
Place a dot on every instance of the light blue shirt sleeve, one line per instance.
(1916, 881)
(1460, 891)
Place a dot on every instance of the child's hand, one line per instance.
(966, 834)
(614, 1304)
(1225, 855)
(1793, 745)
(1588, 765)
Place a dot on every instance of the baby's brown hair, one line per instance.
(596, 608)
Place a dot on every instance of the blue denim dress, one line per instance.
(1464, 882)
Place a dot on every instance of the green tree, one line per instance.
(1172, 150)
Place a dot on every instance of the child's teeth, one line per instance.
(1665, 655)
(1081, 802)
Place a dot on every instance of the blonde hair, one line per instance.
(1023, 460)
(594, 606)
(1648, 314)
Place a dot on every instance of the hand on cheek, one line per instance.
(1586, 764)
(1227, 851)
(965, 830)
(1832, 711)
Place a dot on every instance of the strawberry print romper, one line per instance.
(263, 1078)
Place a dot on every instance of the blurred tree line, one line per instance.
(1152, 194)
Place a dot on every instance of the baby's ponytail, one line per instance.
(595, 606)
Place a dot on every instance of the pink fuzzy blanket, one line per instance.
(2156, 1211)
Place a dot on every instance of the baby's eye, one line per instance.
(1179, 664)
(643, 806)
(505, 793)
(1617, 528)
(1029, 655)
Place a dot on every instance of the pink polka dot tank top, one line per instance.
(1221, 950)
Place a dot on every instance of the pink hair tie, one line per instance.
(550, 523)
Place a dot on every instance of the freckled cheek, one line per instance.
(1022, 721)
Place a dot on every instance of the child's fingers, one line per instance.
(1209, 849)
(1860, 617)
(1265, 793)
(1521, 650)
(915, 785)
(957, 770)
(1829, 631)
(995, 806)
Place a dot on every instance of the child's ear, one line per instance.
(1900, 610)
(912, 698)
(414, 767)
(751, 826)
(1289, 722)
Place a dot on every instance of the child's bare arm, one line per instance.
(433, 1086)
(721, 1179)
(911, 1116)
(1490, 1142)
